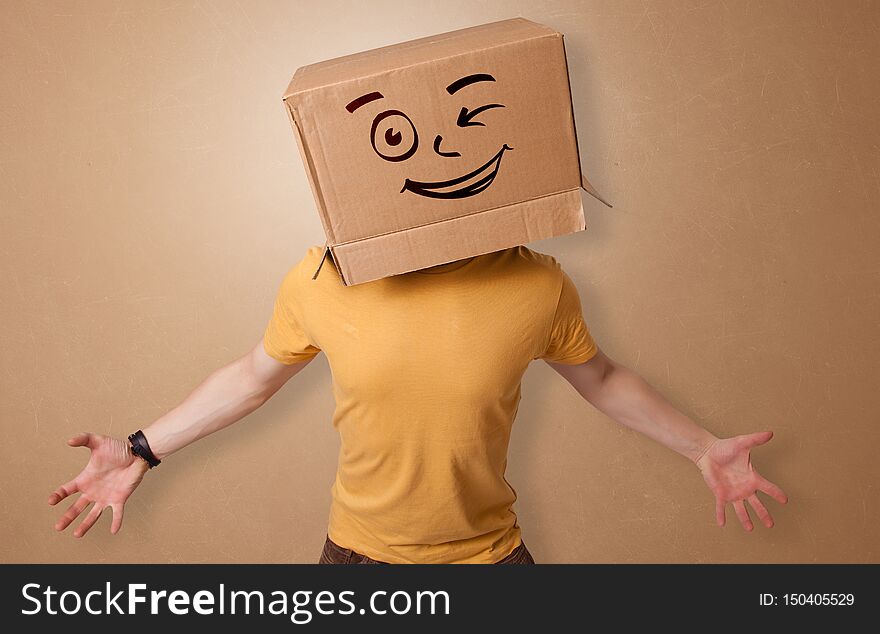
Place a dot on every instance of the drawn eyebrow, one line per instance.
(458, 84)
(357, 103)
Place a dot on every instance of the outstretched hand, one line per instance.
(727, 469)
(110, 477)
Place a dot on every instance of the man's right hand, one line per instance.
(110, 477)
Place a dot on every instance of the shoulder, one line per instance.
(313, 254)
(538, 275)
(301, 271)
(308, 262)
(559, 285)
(540, 263)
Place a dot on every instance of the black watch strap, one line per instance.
(141, 448)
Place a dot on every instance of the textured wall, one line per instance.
(151, 198)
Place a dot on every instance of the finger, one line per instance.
(719, 511)
(748, 441)
(66, 489)
(761, 510)
(90, 520)
(116, 524)
(72, 513)
(772, 490)
(85, 439)
(743, 515)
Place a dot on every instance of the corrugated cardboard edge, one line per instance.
(508, 226)
(587, 186)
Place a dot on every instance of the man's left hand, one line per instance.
(727, 469)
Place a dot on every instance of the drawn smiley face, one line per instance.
(394, 138)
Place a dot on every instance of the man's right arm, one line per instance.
(113, 473)
(226, 396)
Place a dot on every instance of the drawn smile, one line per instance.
(468, 185)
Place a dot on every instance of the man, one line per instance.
(427, 370)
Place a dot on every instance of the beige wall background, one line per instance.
(152, 197)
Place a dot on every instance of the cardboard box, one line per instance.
(440, 148)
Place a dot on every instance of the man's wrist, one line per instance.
(703, 448)
(140, 447)
(142, 464)
(157, 442)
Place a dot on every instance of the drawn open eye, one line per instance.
(465, 116)
(394, 136)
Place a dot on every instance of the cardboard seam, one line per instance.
(474, 213)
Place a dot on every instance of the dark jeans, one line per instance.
(333, 553)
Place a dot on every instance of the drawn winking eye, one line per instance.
(465, 116)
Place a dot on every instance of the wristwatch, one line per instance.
(141, 448)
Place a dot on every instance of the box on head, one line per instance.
(440, 148)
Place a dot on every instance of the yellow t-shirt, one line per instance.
(426, 369)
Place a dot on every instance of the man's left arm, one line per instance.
(725, 463)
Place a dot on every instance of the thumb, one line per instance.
(748, 441)
(84, 439)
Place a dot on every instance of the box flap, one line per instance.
(440, 242)
(588, 187)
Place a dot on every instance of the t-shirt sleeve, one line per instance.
(285, 338)
(570, 341)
